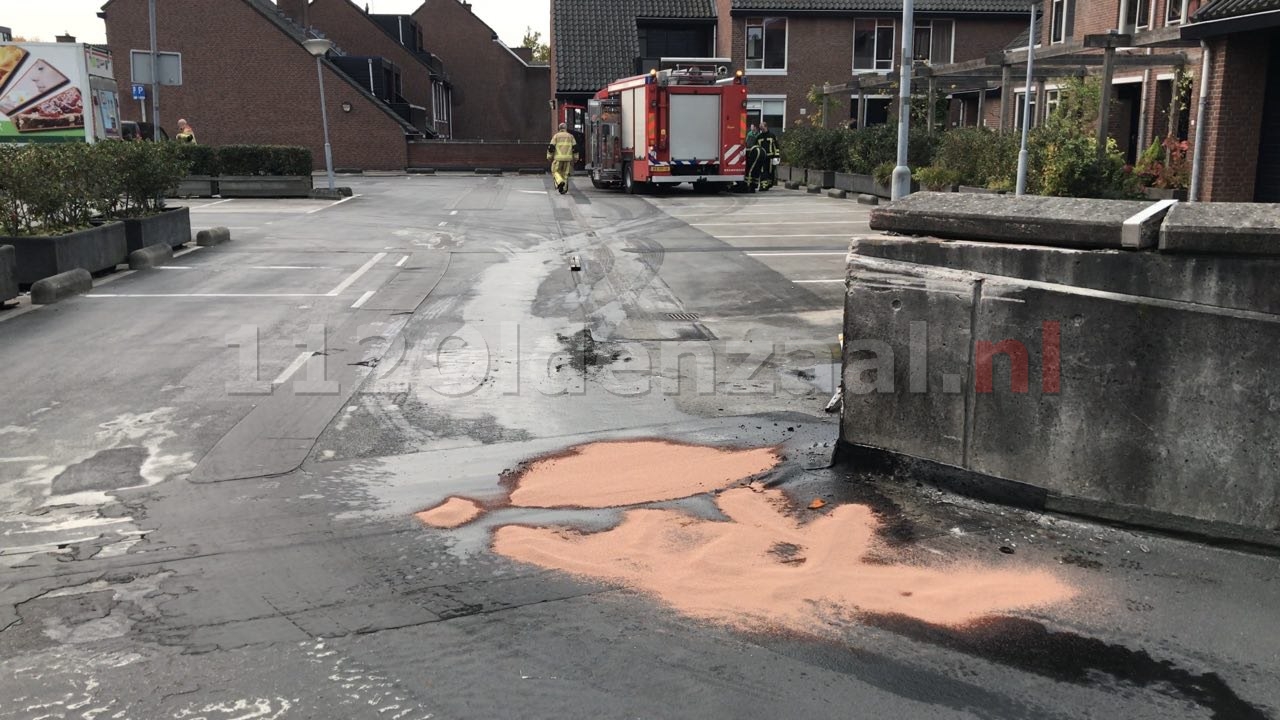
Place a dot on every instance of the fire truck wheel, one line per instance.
(628, 182)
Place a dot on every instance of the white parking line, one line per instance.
(174, 267)
(402, 261)
(216, 202)
(732, 213)
(286, 267)
(442, 224)
(363, 299)
(453, 212)
(793, 254)
(776, 235)
(206, 295)
(788, 222)
(188, 251)
(814, 282)
(357, 275)
(294, 367)
(326, 207)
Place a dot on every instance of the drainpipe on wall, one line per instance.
(1197, 160)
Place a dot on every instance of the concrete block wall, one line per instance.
(1136, 386)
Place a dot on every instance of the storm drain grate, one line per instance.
(682, 316)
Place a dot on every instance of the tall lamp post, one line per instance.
(902, 173)
(318, 47)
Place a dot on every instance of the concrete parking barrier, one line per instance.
(150, 256)
(488, 171)
(791, 185)
(8, 274)
(532, 171)
(213, 236)
(867, 199)
(421, 171)
(837, 194)
(337, 193)
(61, 286)
(812, 189)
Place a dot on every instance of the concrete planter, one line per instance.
(171, 227)
(821, 178)
(96, 249)
(8, 274)
(1164, 194)
(784, 173)
(867, 185)
(272, 186)
(200, 186)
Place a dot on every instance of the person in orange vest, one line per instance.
(562, 151)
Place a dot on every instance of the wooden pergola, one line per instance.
(997, 71)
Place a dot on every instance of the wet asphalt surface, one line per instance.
(208, 475)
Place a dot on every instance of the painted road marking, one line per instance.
(326, 207)
(442, 224)
(294, 367)
(811, 282)
(792, 254)
(776, 235)
(30, 458)
(188, 251)
(287, 267)
(217, 202)
(357, 275)
(363, 299)
(206, 295)
(402, 261)
(730, 212)
(789, 222)
(453, 212)
(174, 267)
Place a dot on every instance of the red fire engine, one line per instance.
(683, 122)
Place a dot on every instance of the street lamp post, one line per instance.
(902, 174)
(318, 47)
(1021, 188)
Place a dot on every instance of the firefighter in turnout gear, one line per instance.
(768, 142)
(562, 151)
(756, 159)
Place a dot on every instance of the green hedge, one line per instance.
(264, 160)
(49, 189)
(203, 158)
(854, 151)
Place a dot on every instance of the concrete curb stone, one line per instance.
(837, 194)
(61, 286)
(150, 256)
(213, 236)
(865, 199)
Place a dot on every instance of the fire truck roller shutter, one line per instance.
(695, 128)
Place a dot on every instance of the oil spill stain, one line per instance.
(1068, 657)
(585, 352)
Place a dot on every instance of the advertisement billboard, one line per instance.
(56, 93)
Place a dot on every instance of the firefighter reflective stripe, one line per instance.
(565, 147)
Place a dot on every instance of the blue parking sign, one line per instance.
(139, 92)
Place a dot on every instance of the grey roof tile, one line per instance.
(596, 40)
(939, 6)
(1220, 9)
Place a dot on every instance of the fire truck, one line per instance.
(685, 121)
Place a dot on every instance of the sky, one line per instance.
(80, 17)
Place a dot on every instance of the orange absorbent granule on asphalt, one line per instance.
(763, 569)
(615, 474)
(452, 513)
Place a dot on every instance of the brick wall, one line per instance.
(1233, 123)
(246, 81)
(461, 155)
(357, 34)
(496, 97)
(820, 50)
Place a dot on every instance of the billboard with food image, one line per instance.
(43, 89)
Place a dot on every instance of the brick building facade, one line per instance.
(848, 39)
(248, 79)
(498, 96)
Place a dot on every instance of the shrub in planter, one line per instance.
(274, 160)
(883, 173)
(878, 144)
(977, 156)
(202, 158)
(937, 178)
(815, 148)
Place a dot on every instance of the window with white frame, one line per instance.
(767, 109)
(1139, 14)
(1173, 11)
(1058, 22)
(873, 43)
(766, 43)
(1020, 114)
(1051, 100)
(932, 41)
